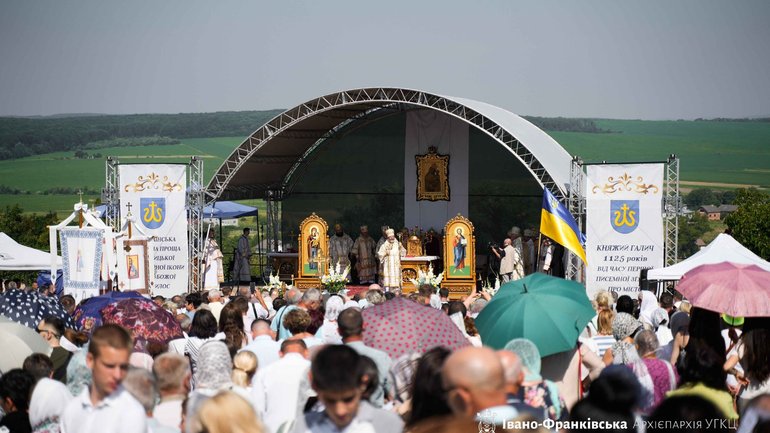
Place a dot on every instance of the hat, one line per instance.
(732, 320)
(390, 232)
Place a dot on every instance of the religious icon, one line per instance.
(459, 244)
(132, 265)
(312, 247)
(432, 176)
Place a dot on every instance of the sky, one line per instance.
(645, 59)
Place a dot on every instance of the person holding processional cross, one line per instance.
(390, 254)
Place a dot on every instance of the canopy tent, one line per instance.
(228, 209)
(17, 257)
(722, 249)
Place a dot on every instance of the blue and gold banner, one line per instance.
(558, 224)
(154, 195)
(624, 225)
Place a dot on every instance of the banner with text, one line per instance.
(624, 207)
(155, 195)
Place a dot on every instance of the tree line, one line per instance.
(27, 136)
(24, 136)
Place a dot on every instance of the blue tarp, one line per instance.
(228, 209)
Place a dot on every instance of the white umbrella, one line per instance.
(18, 342)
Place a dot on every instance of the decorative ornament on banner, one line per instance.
(624, 222)
(156, 193)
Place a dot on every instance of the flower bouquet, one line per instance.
(335, 280)
(427, 278)
(274, 282)
(492, 290)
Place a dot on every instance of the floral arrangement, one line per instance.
(335, 280)
(274, 282)
(492, 290)
(427, 278)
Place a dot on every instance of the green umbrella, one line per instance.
(550, 311)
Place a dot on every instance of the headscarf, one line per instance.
(49, 399)
(214, 366)
(530, 357)
(350, 304)
(623, 325)
(435, 301)
(78, 374)
(679, 321)
(649, 305)
(459, 321)
(333, 307)
(658, 317)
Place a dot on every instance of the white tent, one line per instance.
(17, 257)
(722, 249)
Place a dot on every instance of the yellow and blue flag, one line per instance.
(558, 224)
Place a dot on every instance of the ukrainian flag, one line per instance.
(558, 224)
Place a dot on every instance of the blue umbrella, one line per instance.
(29, 308)
(88, 314)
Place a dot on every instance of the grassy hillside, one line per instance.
(711, 152)
(717, 154)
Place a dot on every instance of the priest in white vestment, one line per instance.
(390, 254)
(212, 265)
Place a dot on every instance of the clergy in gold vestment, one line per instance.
(390, 254)
(363, 250)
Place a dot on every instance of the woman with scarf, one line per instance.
(624, 328)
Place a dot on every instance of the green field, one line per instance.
(712, 152)
(719, 154)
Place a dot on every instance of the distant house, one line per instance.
(717, 213)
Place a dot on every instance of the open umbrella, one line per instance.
(731, 288)
(29, 308)
(18, 342)
(549, 311)
(401, 326)
(88, 315)
(146, 321)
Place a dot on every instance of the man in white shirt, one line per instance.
(172, 373)
(105, 406)
(278, 388)
(263, 343)
(215, 303)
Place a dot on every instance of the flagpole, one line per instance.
(539, 243)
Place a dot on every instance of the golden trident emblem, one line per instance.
(153, 213)
(626, 218)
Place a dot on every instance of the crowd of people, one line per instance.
(292, 361)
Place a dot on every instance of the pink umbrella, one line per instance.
(731, 288)
(402, 326)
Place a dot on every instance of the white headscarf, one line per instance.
(333, 308)
(649, 305)
(214, 366)
(48, 401)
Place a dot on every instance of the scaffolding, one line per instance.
(576, 202)
(111, 193)
(672, 206)
(195, 202)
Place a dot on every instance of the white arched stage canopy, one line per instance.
(268, 164)
(266, 160)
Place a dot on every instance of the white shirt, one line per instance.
(169, 411)
(119, 412)
(266, 350)
(277, 390)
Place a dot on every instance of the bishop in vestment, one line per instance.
(390, 254)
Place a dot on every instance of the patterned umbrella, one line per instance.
(731, 288)
(29, 308)
(88, 315)
(146, 321)
(402, 326)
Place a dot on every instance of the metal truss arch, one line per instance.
(357, 104)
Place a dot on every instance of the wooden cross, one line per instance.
(80, 193)
(128, 206)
